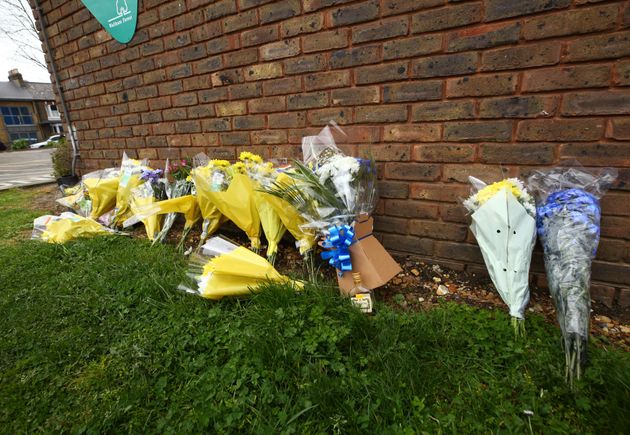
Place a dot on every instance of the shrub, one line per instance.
(62, 158)
(19, 144)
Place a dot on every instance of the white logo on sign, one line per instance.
(124, 14)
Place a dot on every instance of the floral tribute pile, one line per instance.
(322, 202)
(325, 202)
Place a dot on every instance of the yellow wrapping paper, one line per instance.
(186, 205)
(291, 218)
(66, 227)
(238, 273)
(209, 211)
(127, 183)
(102, 192)
(237, 204)
(153, 223)
(272, 225)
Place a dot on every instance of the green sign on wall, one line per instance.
(118, 17)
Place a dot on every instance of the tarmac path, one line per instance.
(25, 168)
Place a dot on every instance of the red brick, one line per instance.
(389, 113)
(223, 44)
(414, 245)
(521, 57)
(443, 152)
(611, 45)
(299, 65)
(231, 108)
(611, 272)
(279, 10)
(443, 110)
(259, 35)
(518, 107)
(303, 24)
(266, 137)
(381, 73)
(493, 131)
(596, 103)
(598, 154)
(498, 9)
(439, 192)
(448, 65)
(280, 49)
(438, 230)
(285, 85)
(412, 133)
(445, 18)
(603, 294)
(411, 209)
(581, 76)
(384, 29)
(245, 90)
(263, 71)
(354, 57)
(323, 116)
(412, 47)
(486, 36)
(624, 297)
(267, 104)
(220, 9)
(251, 122)
(476, 86)
(412, 171)
(386, 152)
(324, 80)
(459, 251)
(460, 173)
(560, 130)
(394, 189)
(325, 40)
(287, 120)
(520, 153)
(355, 13)
(623, 73)
(395, 7)
(240, 21)
(307, 100)
(355, 96)
(314, 5)
(571, 22)
(618, 128)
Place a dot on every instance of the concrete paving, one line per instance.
(25, 168)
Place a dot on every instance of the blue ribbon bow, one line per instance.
(338, 241)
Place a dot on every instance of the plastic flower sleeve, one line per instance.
(65, 227)
(226, 269)
(503, 224)
(142, 197)
(130, 173)
(101, 187)
(568, 224)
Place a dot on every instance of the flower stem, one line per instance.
(519, 328)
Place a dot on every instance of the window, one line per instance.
(16, 115)
(30, 136)
(53, 113)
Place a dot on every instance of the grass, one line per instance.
(95, 338)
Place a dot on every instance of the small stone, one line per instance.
(437, 279)
(625, 329)
(397, 281)
(603, 319)
(415, 272)
(420, 299)
(442, 290)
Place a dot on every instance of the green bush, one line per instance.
(19, 144)
(62, 158)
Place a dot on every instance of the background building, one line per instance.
(439, 89)
(27, 110)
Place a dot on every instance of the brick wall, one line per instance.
(440, 89)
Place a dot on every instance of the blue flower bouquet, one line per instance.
(568, 225)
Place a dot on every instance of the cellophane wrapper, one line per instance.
(568, 225)
(130, 173)
(350, 181)
(101, 187)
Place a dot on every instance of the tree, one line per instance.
(18, 25)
